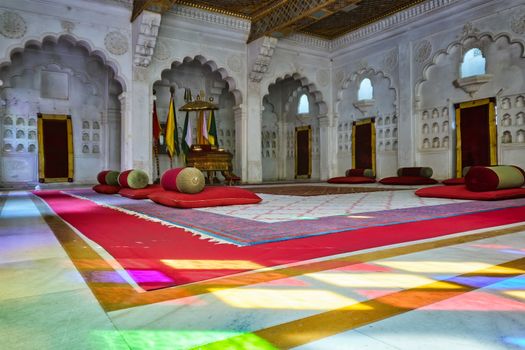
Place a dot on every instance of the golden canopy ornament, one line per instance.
(199, 105)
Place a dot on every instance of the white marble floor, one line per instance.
(467, 292)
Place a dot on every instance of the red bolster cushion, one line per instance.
(415, 171)
(211, 196)
(360, 172)
(168, 180)
(101, 177)
(490, 178)
(134, 178)
(461, 192)
(106, 189)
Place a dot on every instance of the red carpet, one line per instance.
(157, 256)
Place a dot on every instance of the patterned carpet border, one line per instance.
(245, 232)
(314, 190)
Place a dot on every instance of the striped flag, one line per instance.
(187, 138)
(172, 136)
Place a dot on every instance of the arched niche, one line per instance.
(65, 75)
(348, 109)
(281, 115)
(199, 74)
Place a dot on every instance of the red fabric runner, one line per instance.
(148, 250)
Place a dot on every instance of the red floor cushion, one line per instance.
(461, 192)
(351, 180)
(454, 181)
(140, 193)
(106, 189)
(211, 196)
(408, 180)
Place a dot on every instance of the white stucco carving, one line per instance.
(517, 23)
(12, 25)
(422, 51)
(116, 43)
(261, 52)
(145, 32)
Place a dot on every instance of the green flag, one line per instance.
(187, 138)
(212, 130)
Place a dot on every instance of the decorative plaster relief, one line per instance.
(323, 77)
(146, 27)
(422, 51)
(116, 43)
(12, 25)
(162, 51)
(339, 76)
(235, 63)
(67, 26)
(391, 59)
(263, 58)
(517, 23)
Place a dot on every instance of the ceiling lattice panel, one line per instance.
(324, 18)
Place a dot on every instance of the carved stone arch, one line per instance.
(83, 77)
(465, 43)
(91, 49)
(356, 77)
(316, 94)
(210, 64)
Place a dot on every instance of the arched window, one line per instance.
(304, 106)
(366, 91)
(473, 63)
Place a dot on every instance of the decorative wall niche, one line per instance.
(434, 130)
(511, 124)
(386, 133)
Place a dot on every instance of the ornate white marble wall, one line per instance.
(423, 63)
(412, 58)
(58, 78)
(65, 58)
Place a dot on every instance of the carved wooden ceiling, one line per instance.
(323, 18)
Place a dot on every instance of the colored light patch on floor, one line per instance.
(517, 341)
(372, 280)
(212, 264)
(257, 298)
(494, 283)
(145, 276)
(174, 339)
(364, 268)
(520, 294)
(453, 267)
(477, 301)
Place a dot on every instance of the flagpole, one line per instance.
(155, 142)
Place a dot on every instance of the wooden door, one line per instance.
(364, 144)
(303, 152)
(55, 148)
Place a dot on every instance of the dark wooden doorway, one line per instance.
(55, 148)
(303, 152)
(364, 144)
(476, 141)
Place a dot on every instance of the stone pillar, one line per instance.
(141, 155)
(239, 116)
(252, 136)
(404, 109)
(126, 151)
(327, 148)
(112, 139)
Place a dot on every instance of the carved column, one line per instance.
(260, 53)
(126, 150)
(141, 122)
(239, 116)
(406, 135)
(327, 147)
(253, 133)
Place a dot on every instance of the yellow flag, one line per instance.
(170, 130)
